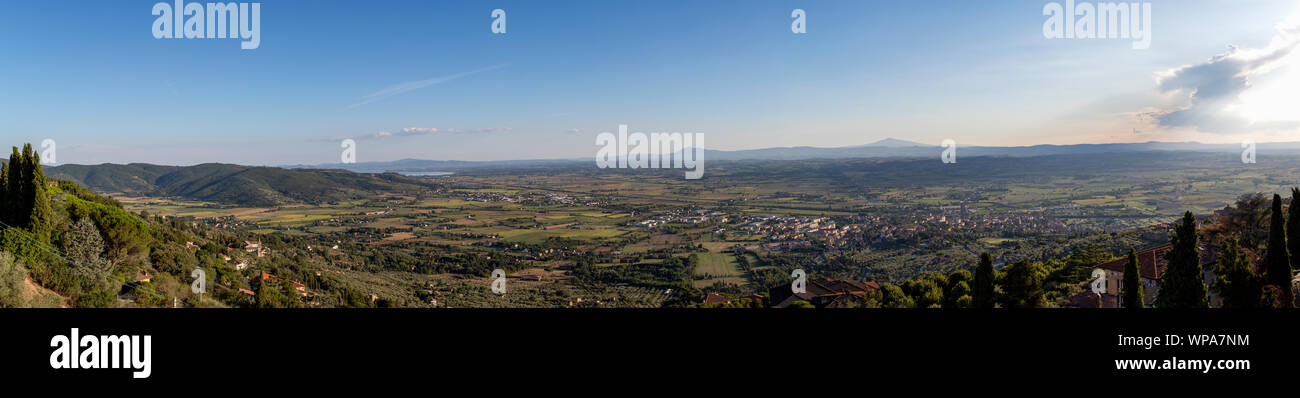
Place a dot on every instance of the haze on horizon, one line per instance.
(409, 79)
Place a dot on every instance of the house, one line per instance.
(825, 293)
(246, 296)
(1151, 268)
(1085, 299)
(714, 298)
(257, 281)
(142, 276)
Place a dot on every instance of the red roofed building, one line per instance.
(261, 278)
(1151, 267)
(825, 293)
(1085, 299)
(714, 298)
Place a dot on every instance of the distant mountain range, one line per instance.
(887, 148)
(326, 183)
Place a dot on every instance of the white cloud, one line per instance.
(415, 85)
(1211, 93)
(477, 131)
(411, 131)
(414, 132)
(371, 136)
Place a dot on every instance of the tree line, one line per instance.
(1237, 282)
(23, 193)
(1025, 284)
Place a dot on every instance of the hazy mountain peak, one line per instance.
(894, 143)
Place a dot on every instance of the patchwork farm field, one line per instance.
(571, 236)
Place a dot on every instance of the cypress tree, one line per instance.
(42, 216)
(14, 190)
(1237, 282)
(1132, 282)
(1293, 228)
(1183, 285)
(983, 290)
(1275, 259)
(24, 216)
(4, 192)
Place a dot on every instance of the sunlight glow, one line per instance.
(1276, 95)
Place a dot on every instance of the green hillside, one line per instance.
(62, 244)
(234, 184)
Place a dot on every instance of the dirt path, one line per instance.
(34, 291)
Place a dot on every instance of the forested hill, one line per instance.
(235, 184)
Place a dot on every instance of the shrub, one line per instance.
(12, 277)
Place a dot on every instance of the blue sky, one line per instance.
(91, 76)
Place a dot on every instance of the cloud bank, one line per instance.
(1212, 90)
(414, 132)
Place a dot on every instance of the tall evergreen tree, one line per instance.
(1276, 263)
(1293, 228)
(1132, 282)
(14, 189)
(1182, 285)
(983, 289)
(4, 192)
(24, 216)
(1237, 282)
(41, 220)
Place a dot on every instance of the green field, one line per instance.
(535, 236)
(721, 267)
